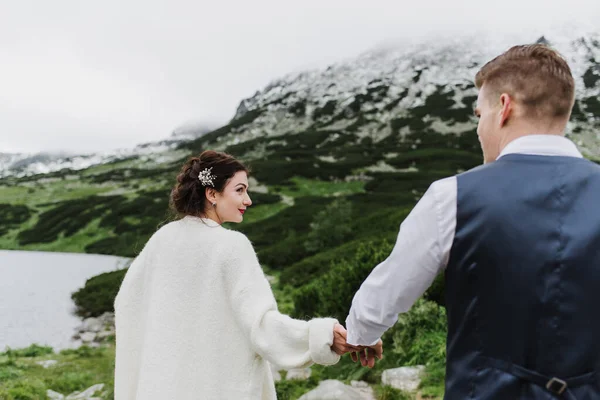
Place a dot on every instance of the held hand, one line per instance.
(368, 354)
(340, 346)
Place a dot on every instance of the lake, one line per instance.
(35, 295)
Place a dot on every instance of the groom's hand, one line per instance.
(340, 346)
(368, 354)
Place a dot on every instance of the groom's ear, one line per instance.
(506, 109)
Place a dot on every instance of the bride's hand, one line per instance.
(340, 346)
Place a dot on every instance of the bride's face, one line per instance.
(233, 201)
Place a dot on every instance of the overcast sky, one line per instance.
(89, 76)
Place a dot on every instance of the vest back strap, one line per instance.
(554, 385)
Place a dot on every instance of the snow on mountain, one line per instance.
(375, 95)
(385, 84)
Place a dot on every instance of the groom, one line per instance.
(519, 241)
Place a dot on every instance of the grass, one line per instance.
(49, 192)
(101, 168)
(55, 190)
(9, 241)
(283, 293)
(21, 378)
(72, 244)
(347, 371)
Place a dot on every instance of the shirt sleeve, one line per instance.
(280, 339)
(420, 253)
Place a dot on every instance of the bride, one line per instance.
(195, 316)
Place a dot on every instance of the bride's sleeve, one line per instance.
(281, 340)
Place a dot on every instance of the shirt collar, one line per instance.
(542, 145)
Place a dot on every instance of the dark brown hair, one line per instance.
(535, 76)
(188, 197)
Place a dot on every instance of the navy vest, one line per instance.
(523, 281)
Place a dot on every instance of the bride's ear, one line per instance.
(211, 195)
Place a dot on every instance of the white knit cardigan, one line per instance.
(196, 319)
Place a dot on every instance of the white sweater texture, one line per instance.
(196, 320)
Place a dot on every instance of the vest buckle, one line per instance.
(556, 385)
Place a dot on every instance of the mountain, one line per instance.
(374, 95)
(374, 131)
(395, 92)
(149, 154)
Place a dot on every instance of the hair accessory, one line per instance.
(206, 178)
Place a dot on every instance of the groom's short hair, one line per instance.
(535, 76)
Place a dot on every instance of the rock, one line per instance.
(52, 395)
(91, 325)
(403, 378)
(46, 363)
(88, 337)
(86, 394)
(300, 374)
(333, 390)
(101, 336)
(364, 389)
(107, 318)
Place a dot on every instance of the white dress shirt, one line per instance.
(422, 249)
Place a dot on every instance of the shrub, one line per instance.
(293, 389)
(330, 226)
(296, 218)
(332, 294)
(9, 372)
(24, 390)
(127, 244)
(84, 352)
(264, 198)
(437, 291)
(386, 392)
(98, 294)
(71, 381)
(12, 216)
(67, 218)
(133, 221)
(420, 334)
(142, 214)
(34, 350)
(283, 253)
(311, 268)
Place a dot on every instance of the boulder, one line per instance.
(300, 374)
(332, 390)
(107, 318)
(364, 389)
(88, 337)
(86, 394)
(101, 336)
(46, 363)
(404, 378)
(52, 395)
(91, 325)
